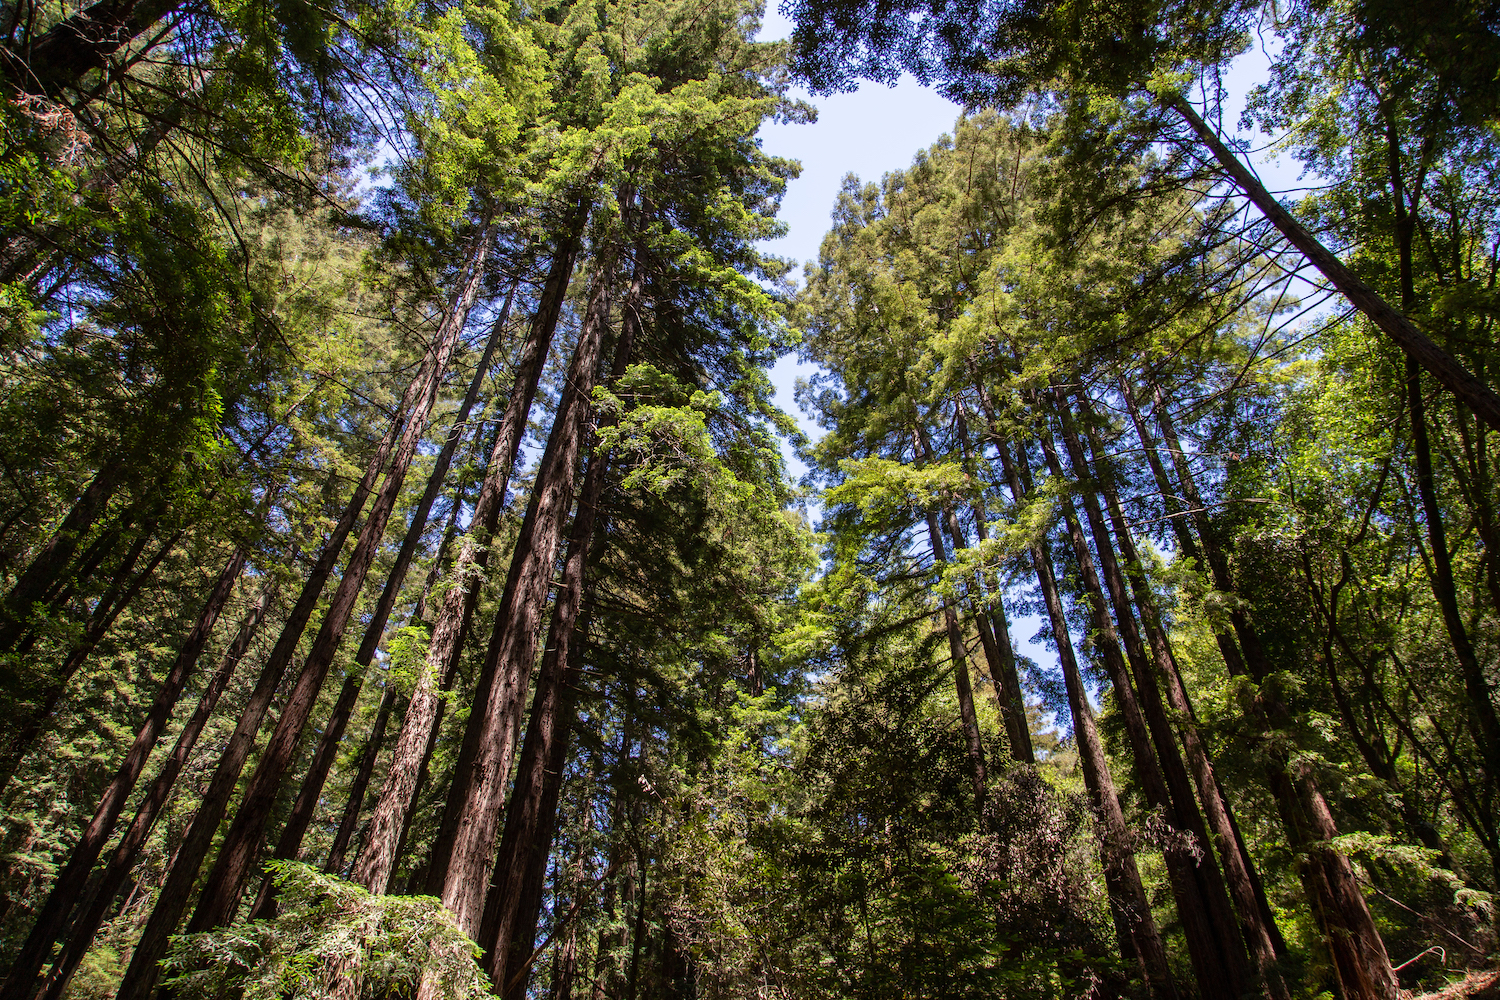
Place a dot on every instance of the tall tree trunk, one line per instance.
(1208, 922)
(611, 938)
(96, 902)
(419, 727)
(508, 928)
(515, 897)
(969, 719)
(226, 880)
(301, 816)
(1135, 927)
(978, 777)
(1481, 695)
(50, 563)
(30, 720)
(72, 880)
(1008, 692)
(1358, 953)
(1256, 926)
(472, 817)
(349, 820)
(1181, 526)
(141, 975)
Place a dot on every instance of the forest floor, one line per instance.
(1474, 986)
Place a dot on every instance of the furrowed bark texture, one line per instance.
(350, 817)
(1140, 942)
(478, 790)
(513, 902)
(419, 726)
(95, 905)
(301, 816)
(1358, 952)
(1236, 877)
(1202, 905)
(141, 975)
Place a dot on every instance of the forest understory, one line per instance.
(404, 593)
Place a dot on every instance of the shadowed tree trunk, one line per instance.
(1140, 942)
(1416, 345)
(29, 720)
(71, 881)
(141, 975)
(231, 870)
(1209, 929)
(1237, 876)
(419, 726)
(472, 817)
(514, 899)
(349, 820)
(1354, 943)
(301, 816)
(59, 57)
(50, 563)
(96, 902)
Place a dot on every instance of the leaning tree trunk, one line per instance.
(418, 731)
(95, 904)
(1481, 694)
(1359, 955)
(1415, 344)
(50, 563)
(231, 870)
(30, 722)
(477, 793)
(141, 975)
(303, 808)
(1237, 875)
(1135, 927)
(350, 817)
(72, 880)
(514, 898)
(1209, 924)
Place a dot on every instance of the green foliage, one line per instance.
(330, 932)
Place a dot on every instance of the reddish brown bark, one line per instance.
(477, 793)
(141, 975)
(350, 817)
(237, 855)
(1203, 907)
(514, 898)
(308, 796)
(1337, 902)
(1237, 876)
(1135, 927)
(95, 905)
(72, 879)
(419, 727)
